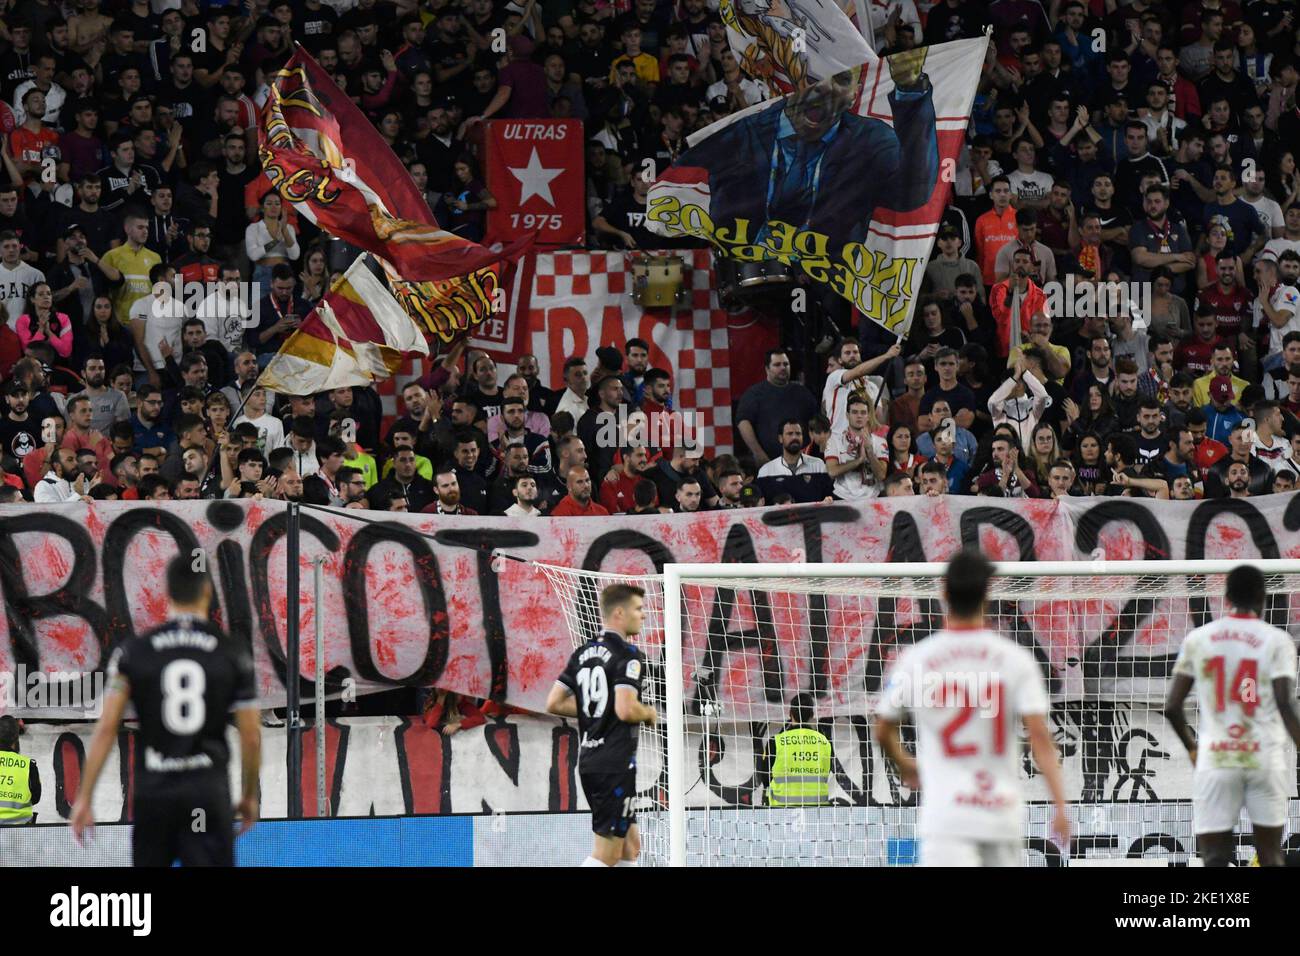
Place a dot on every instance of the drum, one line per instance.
(764, 275)
(657, 281)
(744, 285)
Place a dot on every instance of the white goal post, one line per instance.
(729, 646)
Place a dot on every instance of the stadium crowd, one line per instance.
(1148, 145)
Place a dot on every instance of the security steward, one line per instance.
(799, 760)
(20, 784)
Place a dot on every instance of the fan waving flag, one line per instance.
(356, 335)
(323, 156)
(846, 179)
(792, 45)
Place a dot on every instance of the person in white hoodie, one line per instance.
(525, 495)
(1021, 400)
(55, 487)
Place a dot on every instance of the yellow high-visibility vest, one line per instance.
(15, 788)
(802, 768)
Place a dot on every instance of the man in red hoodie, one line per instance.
(578, 503)
(1020, 293)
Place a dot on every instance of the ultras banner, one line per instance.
(536, 173)
(404, 608)
(845, 179)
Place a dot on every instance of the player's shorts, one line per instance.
(192, 821)
(610, 796)
(958, 851)
(1219, 794)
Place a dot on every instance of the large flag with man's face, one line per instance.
(845, 180)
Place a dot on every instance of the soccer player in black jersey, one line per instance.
(184, 678)
(601, 686)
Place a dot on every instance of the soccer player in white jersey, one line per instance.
(968, 690)
(1244, 672)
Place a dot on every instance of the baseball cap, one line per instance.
(1221, 388)
(949, 231)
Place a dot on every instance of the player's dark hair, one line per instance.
(184, 584)
(966, 582)
(1245, 588)
(616, 595)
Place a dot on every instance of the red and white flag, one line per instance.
(356, 335)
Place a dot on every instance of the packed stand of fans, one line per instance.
(1143, 144)
(1111, 307)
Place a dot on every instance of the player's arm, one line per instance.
(629, 709)
(561, 702)
(1179, 688)
(1043, 748)
(100, 744)
(248, 722)
(1284, 694)
(891, 742)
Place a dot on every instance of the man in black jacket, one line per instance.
(404, 480)
(1239, 444)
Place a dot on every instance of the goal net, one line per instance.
(730, 646)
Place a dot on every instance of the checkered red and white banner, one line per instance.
(576, 302)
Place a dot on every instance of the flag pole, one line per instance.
(257, 382)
